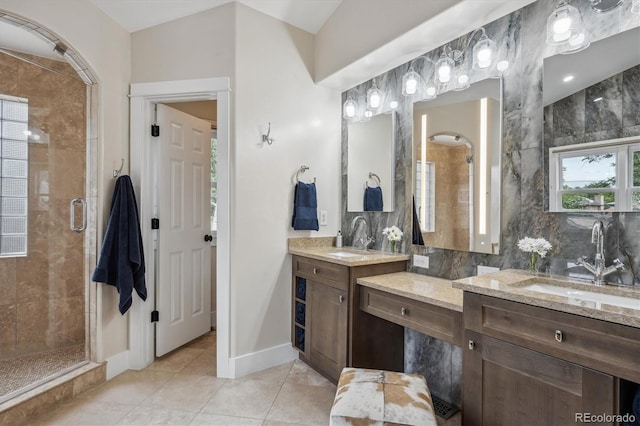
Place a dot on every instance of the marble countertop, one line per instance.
(323, 249)
(508, 284)
(422, 288)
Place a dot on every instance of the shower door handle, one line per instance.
(72, 214)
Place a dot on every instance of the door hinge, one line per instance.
(155, 223)
(155, 130)
(155, 316)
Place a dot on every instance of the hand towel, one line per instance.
(305, 207)
(121, 261)
(373, 199)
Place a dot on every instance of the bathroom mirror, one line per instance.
(457, 145)
(592, 125)
(370, 177)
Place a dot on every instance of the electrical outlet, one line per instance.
(486, 269)
(421, 261)
(323, 217)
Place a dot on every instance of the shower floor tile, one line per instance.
(21, 372)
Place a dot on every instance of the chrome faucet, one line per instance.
(598, 269)
(365, 241)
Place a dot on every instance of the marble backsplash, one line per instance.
(519, 38)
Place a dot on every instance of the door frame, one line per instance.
(143, 96)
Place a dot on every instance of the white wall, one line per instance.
(270, 64)
(274, 84)
(105, 46)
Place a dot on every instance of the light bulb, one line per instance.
(431, 92)
(374, 97)
(463, 79)
(411, 86)
(484, 57)
(349, 109)
(561, 28)
(368, 114)
(444, 73)
(393, 104)
(502, 65)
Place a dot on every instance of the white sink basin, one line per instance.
(588, 296)
(346, 254)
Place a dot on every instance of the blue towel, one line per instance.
(305, 207)
(121, 261)
(373, 199)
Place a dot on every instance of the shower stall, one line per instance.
(44, 263)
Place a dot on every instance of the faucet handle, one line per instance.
(618, 264)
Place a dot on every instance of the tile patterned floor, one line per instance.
(182, 389)
(18, 373)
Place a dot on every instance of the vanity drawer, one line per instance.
(442, 323)
(601, 345)
(331, 274)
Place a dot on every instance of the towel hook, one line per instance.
(116, 172)
(267, 138)
(303, 169)
(375, 177)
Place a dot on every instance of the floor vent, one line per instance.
(443, 409)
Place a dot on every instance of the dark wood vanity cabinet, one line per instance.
(529, 365)
(322, 305)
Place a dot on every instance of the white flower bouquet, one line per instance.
(393, 234)
(537, 248)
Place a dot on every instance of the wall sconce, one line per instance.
(349, 109)
(445, 67)
(410, 82)
(565, 27)
(374, 98)
(483, 51)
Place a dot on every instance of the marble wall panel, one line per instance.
(520, 37)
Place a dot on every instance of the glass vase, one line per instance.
(393, 246)
(533, 263)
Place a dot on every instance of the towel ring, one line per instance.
(302, 169)
(374, 177)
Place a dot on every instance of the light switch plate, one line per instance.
(323, 217)
(421, 261)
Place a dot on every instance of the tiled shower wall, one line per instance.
(43, 298)
(520, 38)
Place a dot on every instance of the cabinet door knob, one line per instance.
(404, 311)
(315, 270)
(472, 345)
(559, 336)
(341, 298)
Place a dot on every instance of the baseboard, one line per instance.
(257, 361)
(213, 319)
(118, 363)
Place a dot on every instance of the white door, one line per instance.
(184, 271)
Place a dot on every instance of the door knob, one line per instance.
(208, 238)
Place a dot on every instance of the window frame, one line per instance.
(623, 190)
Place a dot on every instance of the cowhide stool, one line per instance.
(376, 397)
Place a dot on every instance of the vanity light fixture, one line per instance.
(445, 68)
(483, 51)
(410, 82)
(349, 109)
(374, 98)
(564, 25)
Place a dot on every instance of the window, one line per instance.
(598, 176)
(214, 183)
(14, 156)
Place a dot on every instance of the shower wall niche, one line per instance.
(42, 308)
